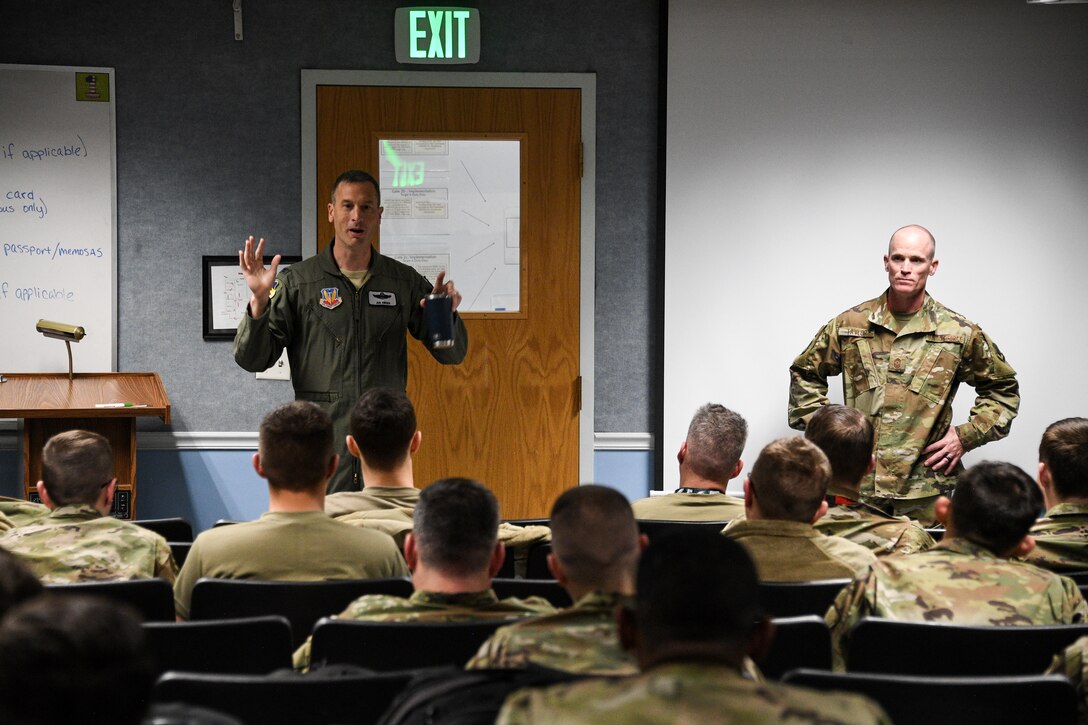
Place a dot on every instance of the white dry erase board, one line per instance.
(58, 216)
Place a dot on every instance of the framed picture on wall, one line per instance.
(226, 294)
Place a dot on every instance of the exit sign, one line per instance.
(437, 35)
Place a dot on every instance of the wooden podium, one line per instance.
(50, 403)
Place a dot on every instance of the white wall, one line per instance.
(801, 134)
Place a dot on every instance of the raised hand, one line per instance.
(259, 278)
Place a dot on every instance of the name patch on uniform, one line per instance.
(383, 299)
(330, 298)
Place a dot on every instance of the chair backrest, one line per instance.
(171, 529)
(387, 646)
(1080, 577)
(547, 588)
(799, 642)
(302, 603)
(180, 550)
(910, 700)
(795, 599)
(526, 522)
(924, 648)
(349, 699)
(654, 529)
(936, 533)
(252, 645)
(152, 598)
(536, 565)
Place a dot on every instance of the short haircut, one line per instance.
(790, 479)
(695, 586)
(716, 438)
(845, 435)
(456, 526)
(383, 422)
(73, 658)
(76, 465)
(994, 505)
(594, 535)
(355, 176)
(17, 582)
(1064, 450)
(932, 239)
(296, 446)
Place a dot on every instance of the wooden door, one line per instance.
(508, 415)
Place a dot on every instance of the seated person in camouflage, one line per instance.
(1061, 537)
(845, 435)
(695, 618)
(384, 439)
(79, 541)
(19, 512)
(595, 548)
(709, 458)
(783, 497)
(295, 540)
(453, 552)
(969, 577)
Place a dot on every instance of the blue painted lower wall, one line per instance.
(204, 486)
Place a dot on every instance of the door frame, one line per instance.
(587, 83)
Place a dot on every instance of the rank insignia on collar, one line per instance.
(330, 298)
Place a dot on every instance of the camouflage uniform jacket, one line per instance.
(1061, 538)
(790, 551)
(905, 383)
(434, 607)
(78, 544)
(713, 506)
(955, 582)
(21, 512)
(372, 498)
(1072, 663)
(870, 527)
(686, 692)
(581, 639)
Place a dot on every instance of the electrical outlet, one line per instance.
(281, 370)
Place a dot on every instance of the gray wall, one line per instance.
(208, 152)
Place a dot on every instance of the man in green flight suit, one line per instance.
(902, 357)
(341, 314)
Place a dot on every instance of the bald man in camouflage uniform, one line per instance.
(846, 438)
(695, 619)
(1061, 537)
(969, 577)
(453, 552)
(78, 541)
(902, 357)
(595, 548)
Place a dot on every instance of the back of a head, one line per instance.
(383, 422)
(845, 435)
(695, 587)
(790, 479)
(1064, 449)
(17, 582)
(716, 438)
(296, 446)
(456, 526)
(73, 659)
(594, 536)
(994, 505)
(76, 466)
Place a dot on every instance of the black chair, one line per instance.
(924, 648)
(171, 529)
(654, 529)
(799, 642)
(180, 550)
(1080, 577)
(536, 566)
(526, 522)
(347, 699)
(152, 598)
(937, 533)
(388, 646)
(547, 588)
(224, 522)
(795, 599)
(302, 603)
(910, 700)
(250, 646)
